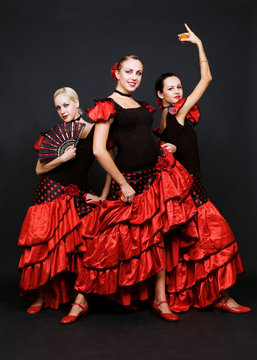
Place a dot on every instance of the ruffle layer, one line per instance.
(53, 241)
(195, 278)
(58, 289)
(49, 222)
(193, 114)
(129, 246)
(108, 280)
(105, 109)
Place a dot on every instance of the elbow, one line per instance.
(39, 170)
(98, 152)
(207, 79)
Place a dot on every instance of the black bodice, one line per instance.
(75, 171)
(131, 131)
(185, 139)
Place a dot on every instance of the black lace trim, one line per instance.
(206, 277)
(29, 291)
(57, 226)
(139, 255)
(102, 100)
(208, 256)
(53, 249)
(126, 260)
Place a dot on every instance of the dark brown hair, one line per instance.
(127, 57)
(159, 81)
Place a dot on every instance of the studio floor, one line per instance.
(111, 332)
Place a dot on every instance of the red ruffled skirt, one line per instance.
(196, 277)
(54, 241)
(129, 248)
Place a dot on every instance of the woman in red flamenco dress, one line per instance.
(149, 197)
(200, 276)
(52, 232)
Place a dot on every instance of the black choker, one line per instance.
(80, 116)
(122, 94)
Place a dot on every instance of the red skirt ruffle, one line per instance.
(52, 238)
(128, 250)
(196, 277)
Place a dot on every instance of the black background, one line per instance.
(46, 45)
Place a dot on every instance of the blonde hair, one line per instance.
(69, 92)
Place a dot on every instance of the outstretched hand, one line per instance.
(191, 37)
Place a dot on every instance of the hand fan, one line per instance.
(59, 139)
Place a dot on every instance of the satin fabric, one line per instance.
(197, 277)
(54, 242)
(128, 250)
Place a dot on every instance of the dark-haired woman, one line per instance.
(62, 215)
(148, 198)
(200, 276)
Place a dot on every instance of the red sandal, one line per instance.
(165, 316)
(222, 305)
(69, 319)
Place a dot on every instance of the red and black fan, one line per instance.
(59, 139)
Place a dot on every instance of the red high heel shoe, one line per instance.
(69, 319)
(165, 316)
(222, 305)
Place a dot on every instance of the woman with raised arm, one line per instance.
(63, 212)
(149, 197)
(200, 276)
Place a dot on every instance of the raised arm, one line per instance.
(206, 77)
(105, 160)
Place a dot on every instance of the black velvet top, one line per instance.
(185, 139)
(76, 171)
(131, 131)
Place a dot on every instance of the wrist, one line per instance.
(199, 43)
(61, 160)
(123, 183)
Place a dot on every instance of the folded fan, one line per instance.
(59, 139)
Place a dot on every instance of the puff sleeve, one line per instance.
(193, 115)
(103, 110)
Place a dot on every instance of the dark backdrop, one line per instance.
(49, 44)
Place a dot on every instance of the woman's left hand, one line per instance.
(170, 147)
(92, 198)
(191, 36)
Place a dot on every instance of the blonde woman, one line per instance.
(63, 214)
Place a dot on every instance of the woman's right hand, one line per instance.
(191, 36)
(69, 154)
(128, 193)
(170, 147)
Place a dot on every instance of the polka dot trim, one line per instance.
(47, 191)
(139, 180)
(198, 191)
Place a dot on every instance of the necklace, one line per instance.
(122, 94)
(80, 116)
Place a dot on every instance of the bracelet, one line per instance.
(203, 61)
